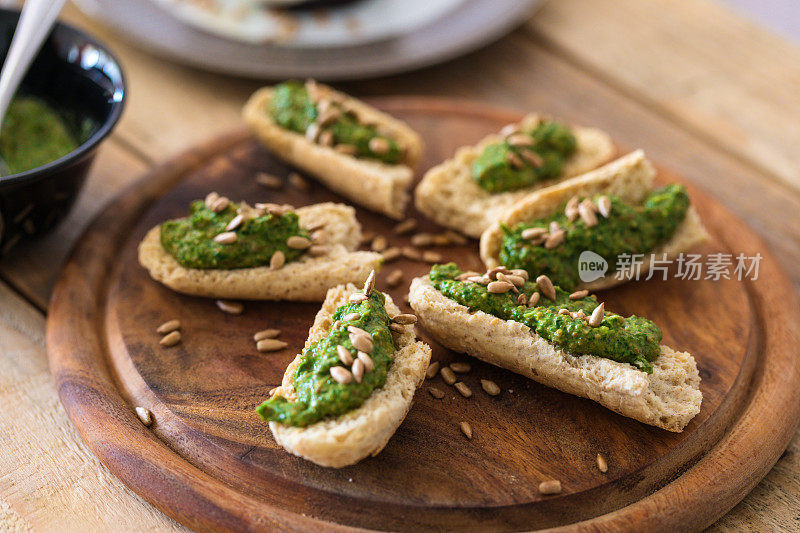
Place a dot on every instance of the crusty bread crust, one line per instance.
(631, 178)
(450, 196)
(307, 279)
(668, 398)
(372, 184)
(364, 431)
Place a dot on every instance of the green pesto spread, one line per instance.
(552, 143)
(633, 340)
(318, 394)
(291, 107)
(191, 241)
(629, 229)
(33, 134)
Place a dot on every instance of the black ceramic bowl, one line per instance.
(81, 79)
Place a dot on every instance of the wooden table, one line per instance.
(699, 88)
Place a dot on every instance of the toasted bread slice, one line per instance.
(307, 279)
(369, 183)
(450, 196)
(630, 177)
(668, 398)
(364, 431)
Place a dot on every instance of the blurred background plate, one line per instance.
(474, 23)
(319, 23)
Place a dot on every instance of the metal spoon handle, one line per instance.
(35, 23)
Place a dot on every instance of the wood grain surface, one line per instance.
(702, 90)
(203, 392)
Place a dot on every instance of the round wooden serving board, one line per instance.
(210, 462)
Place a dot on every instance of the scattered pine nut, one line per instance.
(390, 254)
(461, 367)
(431, 257)
(533, 233)
(604, 206)
(447, 375)
(369, 365)
(362, 343)
(358, 370)
(266, 334)
(351, 317)
(169, 326)
(395, 278)
(211, 198)
(412, 253)
(602, 465)
(534, 299)
(586, 212)
(546, 286)
(235, 222)
(490, 387)
(406, 226)
(296, 180)
(171, 339)
(433, 368)
(220, 204)
(578, 295)
(552, 486)
(465, 391)
(233, 308)
(270, 345)
(379, 243)
(499, 287)
(318, 250)
(555, 239)
(144, 415)
(268, 180)
(356, 297)
(422, 239)
(436, 393)
(466, 429)
(344, 355)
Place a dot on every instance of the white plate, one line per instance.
(474, 24)
(350, 24)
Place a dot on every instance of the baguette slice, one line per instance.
(307, 279)
(372, 184)
(668, 398)
(631, 178)
(450, 196)
(364, 431)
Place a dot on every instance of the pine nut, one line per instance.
(358, 370)
(390, 254)
(436, 393)
(144, 415)
(296, 180)
(357, 298)
(490, 387)
(405, 318)
(554, 239)
(369, 284)
(586, 212)
(297, 242)
(533, 233)
(466, 429)
(520, 139)
(578, 295)
(397, 328)
(227, 237)
(514, 160)
(461, 367)
(266, 334)
(522, 299)
(422, 239)
(602, 465)
(532, 158)
(318, 250)
(169, 327)
(604, 206)
(499, 287)
(597, 315)
(361, 342)
(447, 375)
(369, 365)
(171, 339)
(312, 132)
(351, 317)
(521, 273)
(326, 138)
(233, 308)
(234, 223)
(465, 391)
(534, 299)
(552, 486)
(355, 330)
(277, 260)
(405, 226)
(546, 286)
(433, 368)
(431, 257)
(411, 253)
(379, 243)
(211, 198)
(395, 278)
(270, 345)
(341, 375)
(379, 145)
(220, 204)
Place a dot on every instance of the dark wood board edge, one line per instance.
(101, 411)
